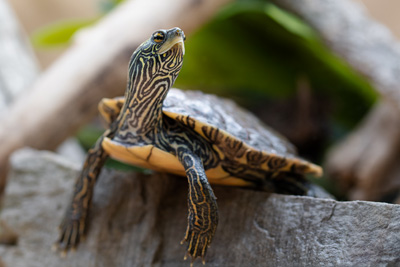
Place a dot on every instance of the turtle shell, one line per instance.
(235, 132)
(248, 150)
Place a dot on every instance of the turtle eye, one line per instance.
(158, 37)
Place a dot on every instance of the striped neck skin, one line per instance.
(151, 77)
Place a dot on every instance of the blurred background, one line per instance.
(36, 15)
(254, 52)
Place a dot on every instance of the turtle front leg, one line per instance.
(73, 225)
(203, 210)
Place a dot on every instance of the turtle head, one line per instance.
(153, 69)
(157, 59)
(165, 40)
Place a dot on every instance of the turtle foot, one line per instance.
(71, 232)
(197, 246)
(198, 242)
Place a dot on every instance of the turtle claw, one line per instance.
(71, 232)
(63, 254)
(198, 242)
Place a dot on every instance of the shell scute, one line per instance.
(256, 158)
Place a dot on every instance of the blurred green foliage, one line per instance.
(59, 33)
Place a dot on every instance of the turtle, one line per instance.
(208, 139)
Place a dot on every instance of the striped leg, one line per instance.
(73, 226)
(203, 210)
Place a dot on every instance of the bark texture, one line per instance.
(139, 220)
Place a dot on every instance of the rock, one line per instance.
(139, 220)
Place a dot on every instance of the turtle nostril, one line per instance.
(179, 32)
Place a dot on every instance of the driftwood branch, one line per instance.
(365, 162)
(66, 95)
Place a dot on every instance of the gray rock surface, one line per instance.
(139, 220)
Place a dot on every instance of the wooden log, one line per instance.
(66, 95)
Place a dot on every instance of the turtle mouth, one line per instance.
(169, 44)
